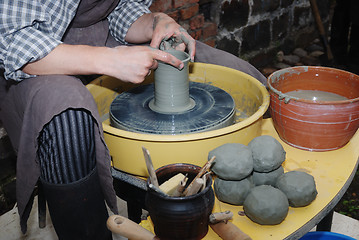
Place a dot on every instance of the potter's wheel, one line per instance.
(214, 109)
(172, 104)
(251, 100)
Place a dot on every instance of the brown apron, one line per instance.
(27, 106)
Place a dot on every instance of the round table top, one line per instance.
(333, 172)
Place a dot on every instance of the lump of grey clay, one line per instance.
(299, 187)
(266, 205)
(232, 192)
(267, 178)
(268, 153)
(233, 161)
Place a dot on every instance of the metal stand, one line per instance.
(133, 190)
(41, 205)
(326, 223)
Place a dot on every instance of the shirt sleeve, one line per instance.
(126, 13)
(27, 45)
(29, 30)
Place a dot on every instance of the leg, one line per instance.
(326, 223)
(69, 177)
(41, 206)
(26, 109)
(207, 54)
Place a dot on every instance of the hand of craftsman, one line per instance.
(165, 28)
(128, 63)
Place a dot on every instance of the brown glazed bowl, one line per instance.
(180, 217)
(314, 125)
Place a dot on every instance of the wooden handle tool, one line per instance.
(229, 231)
(150, 168)
(128, 229)
(194, 187)
(220, 217)
(180, 188)
(204, 169)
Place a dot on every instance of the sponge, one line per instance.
(171, 184)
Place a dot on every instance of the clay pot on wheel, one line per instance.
(180, 217)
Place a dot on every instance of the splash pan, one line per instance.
(251, 100)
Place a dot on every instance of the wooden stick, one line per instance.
(157, 189)
(220, 217)
(205, 177)
(318, 20)
(150, 168)
(229, 231)
(180, 188)
(204, 169)
(195, 187)
(127, 228)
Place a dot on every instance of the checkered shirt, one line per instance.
(31, 29)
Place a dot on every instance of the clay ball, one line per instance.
(267, 178)
(233, 161)
(266, 205)
(232, 192)
(299, 187)
(268, 153)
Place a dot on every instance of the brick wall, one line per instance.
(188, 14)
(252, 29)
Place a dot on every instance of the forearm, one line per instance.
(141, 30)
(69, 60)
(123, 17)
(130, 64)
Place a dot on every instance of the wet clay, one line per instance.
(171, 93)
(267, 178)
(299, 187)
(266, 205)
(316, 95)
(232, 192)
(233, 161)
(268, 153)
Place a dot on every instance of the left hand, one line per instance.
(164, 27)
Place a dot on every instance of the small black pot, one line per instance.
(180, 217)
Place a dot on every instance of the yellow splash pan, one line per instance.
(251, 100)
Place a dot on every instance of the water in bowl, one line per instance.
(316, 95)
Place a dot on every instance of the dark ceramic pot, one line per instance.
(180, 217)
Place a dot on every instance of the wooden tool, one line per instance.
(129, 229)
(229, 231)
(150, 168)
(204, 169)
(220, 217)
(180, 187)
(195, 187)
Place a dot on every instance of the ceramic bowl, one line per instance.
(309, 124)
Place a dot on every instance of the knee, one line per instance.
(60, 92)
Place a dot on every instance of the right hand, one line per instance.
(133, 63)
(127, 63)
